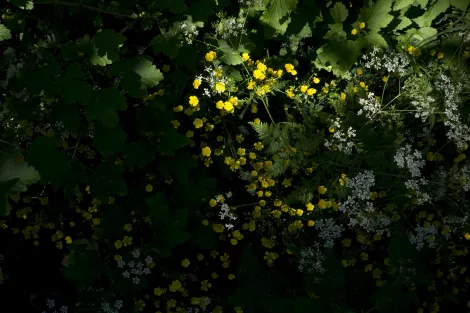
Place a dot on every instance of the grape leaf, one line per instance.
(23, 4)
(277, 11)
(104, 47)
(5, 33)
(171, 141)
(109, 140)
(400, 4)
(376, 16)
(460, 4)
(339, 12)
(230, 56)
(11, 169)
(103, 106)
(439, 7)
(51, 163)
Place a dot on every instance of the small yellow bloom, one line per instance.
(149, 188)
(440, 55)
(346, 242)
(128, 227)
(198, 123)
(290, 93)
(354, 31)
(210, 56)
(185, 263)
(303, 88)
(196, 83)
(193, 101)
(231, 276)
(220, 87)
(289, 67)
(68, 240)
(309, 206)
(218, 228)
(212, 203)
(311, 91)
(316, 80)
(245, 56)
(293, 72)
(359, 71)
(322, 190)
(362, 84)
(467, 236)
(206, 151)
(257, 121)
(178, 108)
(117, 258)
(228, 106)
(118, 244)
(311, 223)
(362, 25)
(166, 68)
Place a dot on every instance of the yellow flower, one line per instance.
(325, 89)
(193, 101)
(206, 151)
(175, 286)
(467, 236)
(353, 31)
(343, 96)
(185, 263)
(231, 276)
(261, 67)
(178, 108)
(309, 206)
(210, 56)
(251, 85)
(220, 87)
(219, 105)
(289, 67)
(245, 56)
(331, 129)
(128, 227)
(166, 68)
(218, 228)
(346, 242)
(117, 258)
(118, 244)
(440, 55)
(149, 188)
(196, 83)
(290, 93)
(359, 71)
(198, 123)
(311, 91)
(228, 106)
(311, 223)
(233, 241)
(293, 72)
(205, 285)
(362, 25)
(322, 190)
(258, 75)
(68, 240)
(126, 241)
(205, 222)
(303, 88)
(362, 84)
(257, 121)
(158, 291)
(316, 80)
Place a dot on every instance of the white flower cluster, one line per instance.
(391, 61)
(414, 184)
(311, 259)
(51, 304)
(424, 235)
(329, 231)
(463, 176)
(413, 161)
(424, 107)
(360, 211)
(107, 308)
(458, 132)
(214, 76)
(228, 27)
(137, 269)
(370, 106)
(202, 302)
(190, 32)
(251, 3)
(341, 138)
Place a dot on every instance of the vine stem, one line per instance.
(80, 5)
(10, 144)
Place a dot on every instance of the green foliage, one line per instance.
(277, 13)
(5, 33)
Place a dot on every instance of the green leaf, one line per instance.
(171, 141)
(137, 75)
(168, 46)
(376, 16)
(5, 33)
(23, 4)
(82, 266)
(375, 39)
(5, 188)
(109, 140)
(338, 57)
(439, 7)
(44, 157)
(423, 3)
(103, 106)
(10, 169)
(400, 4)
(460, 4)
(404, 23)
(104, 47)
(339, 12)
(159, 207)
(75, 90)
(426, 33)
(276, 14)
(230, 56)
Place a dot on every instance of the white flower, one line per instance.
(126, 274)
(121, 263)
(135, 253)
(329, 231)
(423, 235)
(50, 303)
(370, 106)
(136, 280)
(63, 309)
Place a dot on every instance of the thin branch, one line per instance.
(80, 5)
